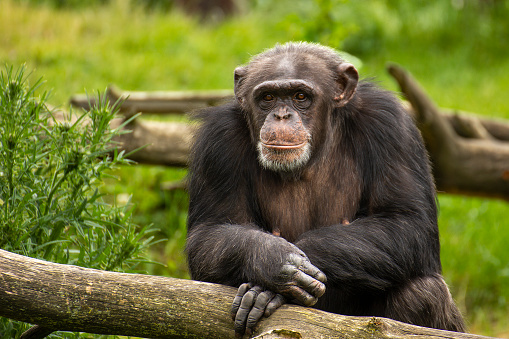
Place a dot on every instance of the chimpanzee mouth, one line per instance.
(283, 147)
(284, 158)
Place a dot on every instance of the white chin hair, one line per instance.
(277, 160)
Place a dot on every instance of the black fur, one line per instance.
(368, 168)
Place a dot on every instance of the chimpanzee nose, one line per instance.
(282, 114)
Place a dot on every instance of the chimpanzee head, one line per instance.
(287, 94)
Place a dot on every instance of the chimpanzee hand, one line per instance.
(296, 280)
(250, 304)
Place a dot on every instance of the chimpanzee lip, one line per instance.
(284, 146)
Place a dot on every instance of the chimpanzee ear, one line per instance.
(239, 76)
(347, 79)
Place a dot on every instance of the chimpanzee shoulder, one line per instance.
(392, 145)
(221, 160)
(220, 128)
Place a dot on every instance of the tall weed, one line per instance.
(51, 207)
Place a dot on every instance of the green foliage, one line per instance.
(50, 171)
(79, 4)
(128, 46)
(154, 204)
(316, 21)
(459, 45)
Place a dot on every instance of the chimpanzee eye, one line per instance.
(268, 97)
(299, 96)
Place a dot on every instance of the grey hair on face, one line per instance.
(301, 157)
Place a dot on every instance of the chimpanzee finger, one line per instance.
(274, 304)
(246, 305)
(238, 298)
(299, 296)
(310, 269)
(258, 310)
(311, 285)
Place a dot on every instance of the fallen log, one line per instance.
(60, 297)
(165, 143)
(469, 156)
(157, 102)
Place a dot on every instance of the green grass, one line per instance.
(88, 49)
(474, 251)
(458, 55)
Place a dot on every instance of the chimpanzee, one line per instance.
(314, 188)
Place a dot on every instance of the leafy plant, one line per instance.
(50, 173)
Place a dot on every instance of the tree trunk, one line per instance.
(165, 143)
(477, 165)
(71, 298)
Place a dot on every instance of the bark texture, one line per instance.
(470, 155)
(71, 298)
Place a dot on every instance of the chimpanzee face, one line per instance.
(286, 107)
(286, 101)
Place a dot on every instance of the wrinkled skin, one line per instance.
(298, 281)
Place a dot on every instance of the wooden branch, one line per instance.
(165, 143)
(497, 128)
(71, 298)
(467, 124)
(469, 127)
(460, 165)
(160, 102)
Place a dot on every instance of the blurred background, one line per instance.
(457, 50)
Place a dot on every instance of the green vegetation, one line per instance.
(456, 49)
(50, 172)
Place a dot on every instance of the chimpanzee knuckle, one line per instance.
(316, 288)
(296, 258)
(285, 289)
(263, 299)
(239, 297)
(302, 297)
(253, 293)
(240, 324)
(254, 316)
(301, 279)
(310, 301)
(288, 271)
(241, 319)
(307, 267)
(259, 307)
(248, 299)
(306, 299)
(321, 276)
(244, 288)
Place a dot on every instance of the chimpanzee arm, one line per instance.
(235, 254)
(372, 253)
